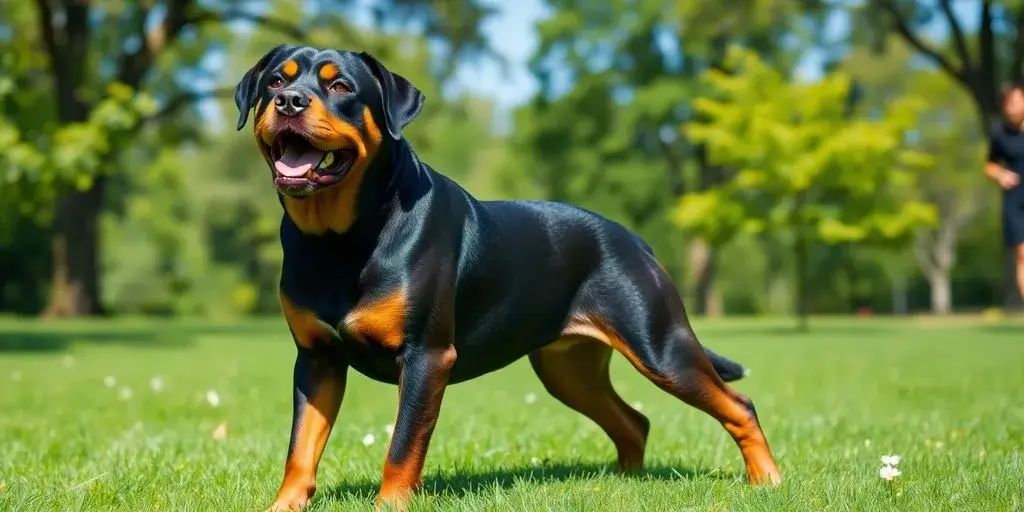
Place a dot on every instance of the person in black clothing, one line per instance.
(1005, 166)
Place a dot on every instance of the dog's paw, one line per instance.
(293, 506)
(289, 503)
(394, 501)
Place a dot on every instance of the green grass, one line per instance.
(948, 397)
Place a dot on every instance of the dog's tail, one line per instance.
(727, 369)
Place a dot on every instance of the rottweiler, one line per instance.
(395, 270)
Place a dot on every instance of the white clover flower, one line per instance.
(125, 393)
(213, 398)
(369, 439)
(109, 381)
(888, 473)
(531, 399)
(891, 460)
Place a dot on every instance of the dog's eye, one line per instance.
(339, 87)
(276, 82)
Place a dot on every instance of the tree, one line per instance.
(806, 168)
(979, 61)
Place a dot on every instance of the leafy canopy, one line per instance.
(802, 160)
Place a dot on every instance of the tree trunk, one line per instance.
(702, 255)
(941, 292)
(705, 293)
(75, 284)
(899, 295)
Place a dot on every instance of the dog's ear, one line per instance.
(400, 100)
(246, 92)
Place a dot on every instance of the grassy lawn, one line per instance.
(946, 396)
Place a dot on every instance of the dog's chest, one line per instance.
(366, 337)
(378, 321)
(323, 292)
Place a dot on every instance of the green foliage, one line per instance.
(35, 172)
(803, 162)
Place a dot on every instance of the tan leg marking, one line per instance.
(575, 371)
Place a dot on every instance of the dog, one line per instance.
(394, 270)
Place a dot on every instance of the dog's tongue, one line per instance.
(296, 162)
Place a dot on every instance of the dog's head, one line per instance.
(319, 114)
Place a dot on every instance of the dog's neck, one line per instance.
(361, 204)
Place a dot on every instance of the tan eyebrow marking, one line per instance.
(290, 68)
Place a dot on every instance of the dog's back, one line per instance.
(543, 259)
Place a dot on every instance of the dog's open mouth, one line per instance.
(299, 166)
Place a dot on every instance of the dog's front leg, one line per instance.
(421, 386)
(319, 385)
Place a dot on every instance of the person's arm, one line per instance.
(1006, 178)
(994, 171)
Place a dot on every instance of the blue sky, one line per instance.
(511, 33)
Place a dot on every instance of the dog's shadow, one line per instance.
(460, 483)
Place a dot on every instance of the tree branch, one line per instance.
(923, 243)
(1018, 46)
(958, 35)
(986, 40)
(907, 33)
(969, 209)
(49, 37)
(184, 99)
(134, 66)
(944, 250)
(275, 24)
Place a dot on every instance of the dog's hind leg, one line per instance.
(574, 370)
(684, 371)
(676, 362)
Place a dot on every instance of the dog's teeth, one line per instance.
(327, 161)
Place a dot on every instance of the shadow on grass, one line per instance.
(34, 336)
(28, 336)
(460, 483)
(29, 341)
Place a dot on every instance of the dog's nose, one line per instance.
(291, 103)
